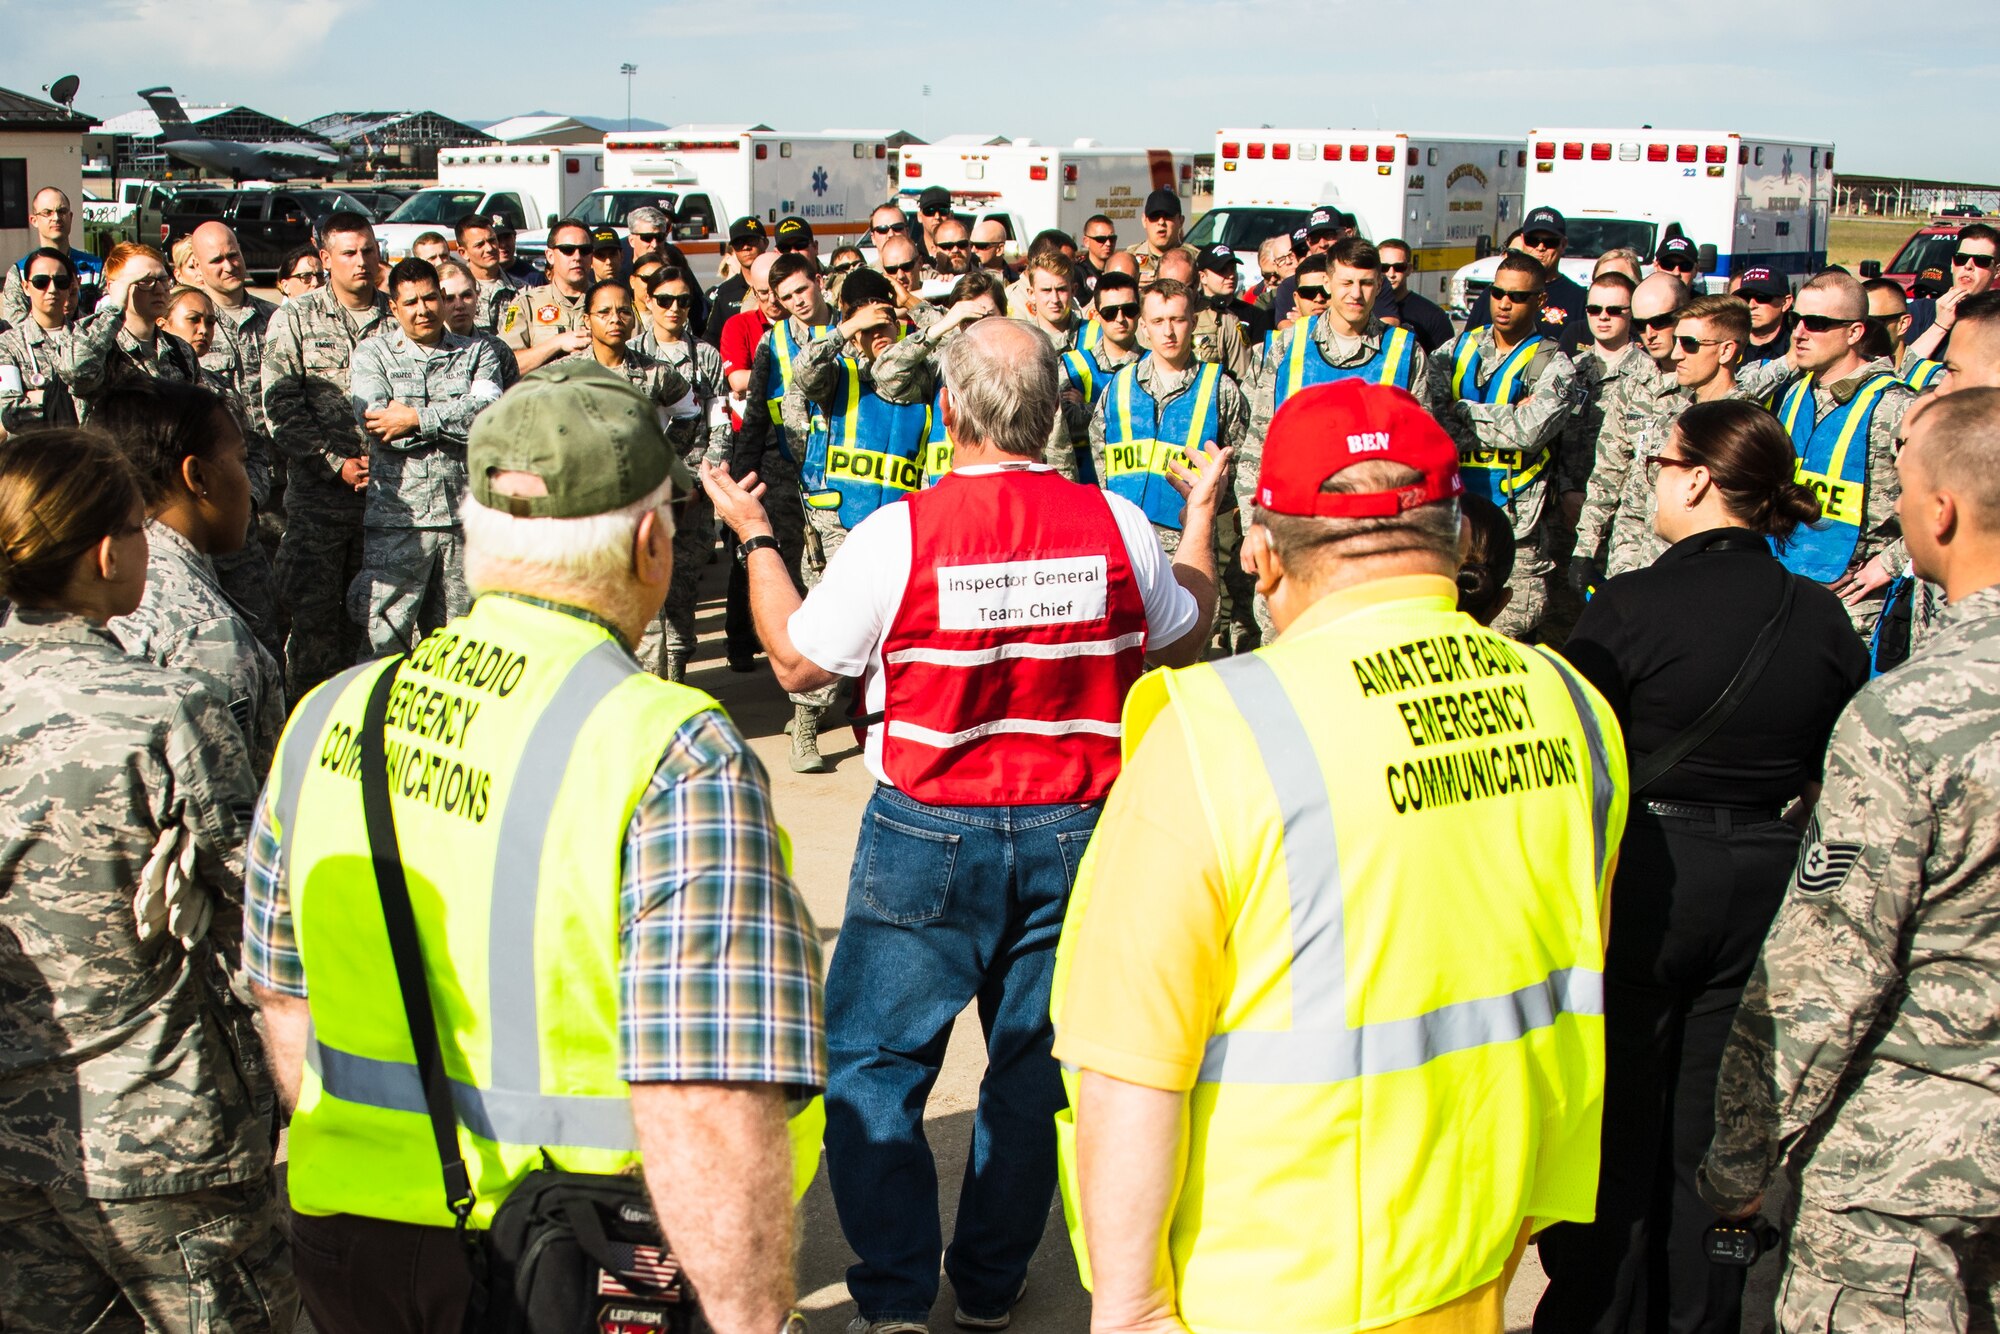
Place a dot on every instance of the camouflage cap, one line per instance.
(592, 438)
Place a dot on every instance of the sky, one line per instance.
(1141, 73)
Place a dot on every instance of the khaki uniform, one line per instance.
(137, 1115)
(1532, 427)
(1148, 258)
(1865, 1046)
(308, 362)
(534, 315)
(1218, 339)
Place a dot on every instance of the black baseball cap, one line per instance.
(1545, 219)
(934, 199)
(1299, 238)
(1322, 220)
(1931, 282)
(1163, 203)
(604, 238)
(794, 233)
(745, 230)
(1764, 282)
(1217, 258)
(1677, 251)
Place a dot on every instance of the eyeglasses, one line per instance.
(1514, 296)
(1691, 345)
(613, 313)
(1657, 323)
(953, 245)
(1108, 238)
(42, 282)
(893, 229)
(1599, 311)
(52, 213)
(1387, 267)
(1965, 257)
(1824, 323)
(1316, 292)
(156, 281)
(1128, 311)
(900, 269)
(1542, 241)
(647, 238)
(571, 250)
(305, 276)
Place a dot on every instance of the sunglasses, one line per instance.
(1965, 257)
(1761, 298)
(849, 267)
(988, 245)
(748, 243)
(42, 282)
(1316, 292)
(683, 300)
(605, 251)
(1395, 268)
(1620, 311)
(893, 229)
(1691, 345)
(1820, 324)
(1657, 323)
(935, 212)
(1128, 311)
(1162, 217)
(1542, 241)
(1518, 297)
(1674, 265)
(305, 276)
(1655, 462)
(648, 237)
(1109, 238)
(909, 268)
(953, 245)
(571, 250)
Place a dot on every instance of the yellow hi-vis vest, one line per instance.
(520, 741)
(1418, 818)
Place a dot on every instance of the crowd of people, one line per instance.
(1393, 793)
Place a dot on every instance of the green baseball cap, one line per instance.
(585, 430)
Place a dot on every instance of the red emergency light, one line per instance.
(1357, 152)
(1069, 173)
(1742, 155)
(1231, 151)
(1600, 152)
(1656, 152)
(1684, 153)
(881, 152)
(1256, 151)
(1187, 171)
(1281, 152)
(1038, 173)
(1715, 153)
(1572, 152)
(1412, 158)
(1385, 152)
(911, 170)
(763, 151)
(1545, 150)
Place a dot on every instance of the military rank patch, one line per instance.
(1824, 863)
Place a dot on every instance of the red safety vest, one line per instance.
(1020, 631)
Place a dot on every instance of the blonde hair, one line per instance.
(61, 493)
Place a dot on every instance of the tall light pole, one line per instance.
(628, 71)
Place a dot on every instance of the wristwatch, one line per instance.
(757, 543)
(795, 1323)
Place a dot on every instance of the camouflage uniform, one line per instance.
(186, 620)
(104, 357)
(1594, 450)
(308, 356)
(1618, 504)
(1531, 427)
(1866, 1041)
(534, 315)
(669, 642)
(493, 297)
(412, 576)
(1881, 532)
(1340, 351)
(43, 356)
(137, 1115)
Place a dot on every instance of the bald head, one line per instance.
(895, 253)
(1177, 266)
(1122, 262)
(1002, 386)
(1840, 295)
(218, 262)
(989, 231)
(1660, 295)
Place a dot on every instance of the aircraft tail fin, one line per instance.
(166, 107)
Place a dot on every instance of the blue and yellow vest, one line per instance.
(1141, 438)
(1394, 362)
(1832, 460)
(1496, 474)
(936, 458)
(784, 350)
(864, 454)
(1922, 374)
(1083, 372)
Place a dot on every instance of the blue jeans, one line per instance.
(946, 905)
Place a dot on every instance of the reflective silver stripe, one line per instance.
(1031, 726)
(517, 868)
(499, 1115)
(1320, 1047)
(1600, 762)
(296, 758)
(978, 657)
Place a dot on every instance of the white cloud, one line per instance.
(259, 38)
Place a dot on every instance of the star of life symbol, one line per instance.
(819, 180)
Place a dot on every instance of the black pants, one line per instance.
(1690, 908)
(739, 633)
(371, 1276)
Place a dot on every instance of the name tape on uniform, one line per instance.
(1023, 592)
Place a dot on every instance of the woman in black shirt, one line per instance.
(1707, 852)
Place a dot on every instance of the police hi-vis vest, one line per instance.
(938, 444)
(864, 454)
(1407, 1058)
(1083, 372)
(1832, 460)
(1394, 362)
(1019, 631)
(784, 350)
(1496, 474)
(1142, 439)
(1922, 374)
(520, 741)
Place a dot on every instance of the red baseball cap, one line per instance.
(1322, 430)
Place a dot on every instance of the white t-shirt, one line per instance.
(847, 615)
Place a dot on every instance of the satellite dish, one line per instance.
(63, 90)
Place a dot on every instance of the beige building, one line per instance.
(40, 144)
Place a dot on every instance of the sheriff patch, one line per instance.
(1824, 863)
(547, 314)
(507, 320)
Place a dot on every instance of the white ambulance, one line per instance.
(1031, 187)
(1742, 199)
(524, 185)
(1451, 196)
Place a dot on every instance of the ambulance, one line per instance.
(527, 186)
(1031, 187)
(1451, 196)
(707, 176)
(1743, 200)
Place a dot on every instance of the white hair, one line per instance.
(522, 554)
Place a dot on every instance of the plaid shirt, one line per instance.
(719, 967)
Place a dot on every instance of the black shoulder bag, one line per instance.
(568, 1252)
(1648, 771)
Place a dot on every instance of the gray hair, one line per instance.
(1303, 543)
(646, 217)
(524, 554)
(1004, 385)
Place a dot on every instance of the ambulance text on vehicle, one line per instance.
(1743, 200)
(522, 185)
(1451, 196)
(1031, 187)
